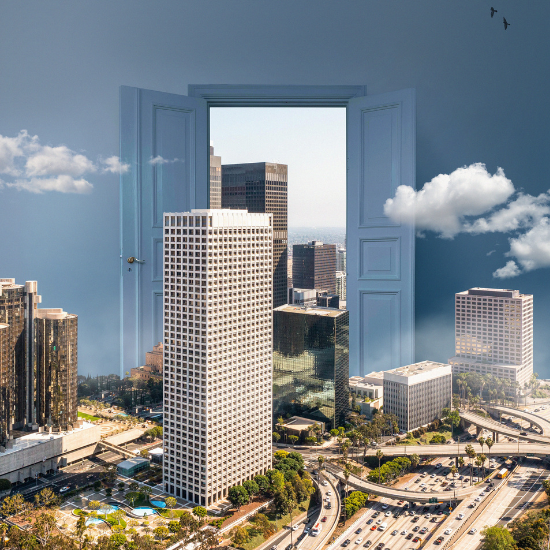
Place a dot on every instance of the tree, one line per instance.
(240, 536)
(161, 532)
(334, 432)
(321, 461)
(144, 453)
(293, 439)
(280, 455)
(251, 487)
(174, 526)
(134, 486)
(263, 483)
(471, 455)
(94, 505)
(415, 460)
(276, 437)
(489, 442)
(170, 502)
(117, 540)
(121, 486)
(238, 496)
(131, 497)
(11, 506)
(481, 441)
(497, 538)
(44, 527)
(5, 484)
(80, 532)
(264, 525)
(379, 455)
(200, 512)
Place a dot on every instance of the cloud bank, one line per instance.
(39, 168)
(470, 200)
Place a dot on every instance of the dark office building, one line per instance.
(314, 266)
(311, 363)
(17, 306)
(56, 368)
(324, 299)
(261, 187)
(215, 180)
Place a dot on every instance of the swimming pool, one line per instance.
(107, 509)
(93, 521)
(142, 511)
(158, 503)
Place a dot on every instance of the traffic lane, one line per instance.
(330, 513)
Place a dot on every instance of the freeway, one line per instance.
(535, 419)
(494, 426)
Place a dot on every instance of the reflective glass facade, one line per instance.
(311, 363)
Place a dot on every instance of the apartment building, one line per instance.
(217, 351)
(314, 266)
(417, 393)
(215, 180)
(341, 285)
(494, 334)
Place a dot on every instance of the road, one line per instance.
(528, 415)
(387, 508)
(512, 501)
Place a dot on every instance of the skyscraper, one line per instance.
(17, 309)
(311, 363)
(494, 334)
(262, 187)
(341, 285)
(341, 259)
(314, 266)
(217, 351)
(215, 180)
(56, 344)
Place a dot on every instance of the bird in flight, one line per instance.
(493, 11)
(506, 24)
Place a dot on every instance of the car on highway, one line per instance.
(404, 532)
(376, 514)
(384, 506)
(367, 544)
(417, 539)
(439, 540)
(416, 528)
(409, 536)
(359, 540)
(477, 499)
(347, 542)
(447, 531)
(432, 476)
(373, 528)
(370, 521)
(388, 514)
(295, 528)
(423, 530)
(394, 532)
(358, 531)
(428, 515)
(472, 531)
(329, 493)
(324, 519)
(324, 483)
(64, 489)
(415, 519)
(460, 516)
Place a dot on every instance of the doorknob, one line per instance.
(131, 260)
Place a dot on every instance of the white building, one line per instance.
(417, 393)
(217, 351)
(366, 386)
(302, 296)
(494, 334)
(341, 284)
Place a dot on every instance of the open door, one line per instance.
(164, 140)
(380, 253)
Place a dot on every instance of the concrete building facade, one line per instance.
(215, 180)
(494, 334)
(417, 393)
(341, 285)
(217, 351)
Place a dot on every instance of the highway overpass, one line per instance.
(541, 450)
(498, 428)
(541, 423)
(400, 494)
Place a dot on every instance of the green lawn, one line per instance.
(426, 438)
(87, 416)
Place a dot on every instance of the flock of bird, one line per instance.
(506, 24)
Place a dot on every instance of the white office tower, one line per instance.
(494, 334)
(217, 351)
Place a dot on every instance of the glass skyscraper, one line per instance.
(311, 363)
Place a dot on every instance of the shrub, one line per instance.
(5, 484)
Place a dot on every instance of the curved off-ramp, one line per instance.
(539, 421)
(496, 427)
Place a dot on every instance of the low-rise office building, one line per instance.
(417, 393)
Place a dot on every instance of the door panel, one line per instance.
(380, 261)
(163, 138)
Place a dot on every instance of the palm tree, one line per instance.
(470, 451)
(483, 458)
(461, 465)
(347, 473)
(320, 459)
(453, 470)
(489, 442)
(481, 441)
(379, 455)
(415, 460)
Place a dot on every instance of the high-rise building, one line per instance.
(341, 285)
(494, 334)
(302, 297)
(311, 363)
(262, 187)
(314, 266)
(4, 381)
(217, 351)
(17, 309)
(56, 344)
(341, 259)
(215, 180)
(417, 394)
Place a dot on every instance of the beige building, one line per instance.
(217, 354)
(153, 365)
(417, 393)
(494, 334)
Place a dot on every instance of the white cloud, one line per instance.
(113, 165)
(11, 149)
(491, 252)
(54, 161)
(532, 249)
(444, 202)
(511, 269)
(525, 211)
(63, 184)
(160, 160)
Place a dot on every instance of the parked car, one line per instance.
(346, 542)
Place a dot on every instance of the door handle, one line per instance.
(131, 260)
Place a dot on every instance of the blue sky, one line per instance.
(481, 98)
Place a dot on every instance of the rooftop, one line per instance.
(130, 462)
(417, 368)
(299, 423)
(495, 292)
(313, 310)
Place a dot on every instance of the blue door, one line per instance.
(164, 139)
(380, 253)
